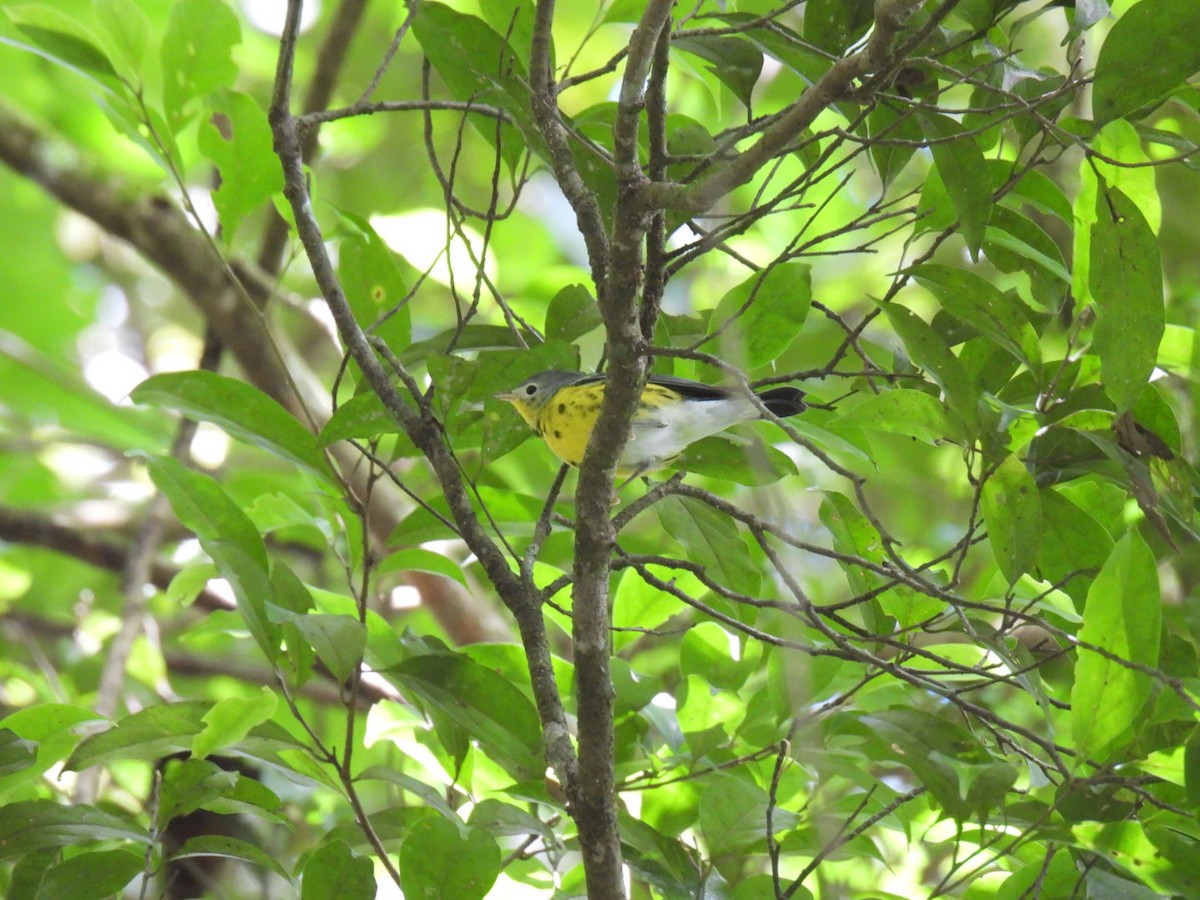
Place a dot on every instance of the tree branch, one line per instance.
(595, 537)
(155, 227)
(874, 57)
(546, 115)
(519, 595)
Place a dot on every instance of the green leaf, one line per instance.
(896, 137)
(776, 39)
(1132, 173)
(338, 640)
(418, 559)
(665, 861)
(333, 872)
(572, 313)
(52, 729)
(231, 719)
(159, 731)
(1178, 349)
(1160, 852)
(742, 462)
(488, 707)
(92, 876)
(127, 28)
(711, 652)
(855, 537)
(43, 389)
(637, 604)
(735, 62)
(1123, 617)
(253, 588)
(1126, 281)
(440, 859)
(733, 815)
(37, 824)
(978, 303)
(759, 318)
(479, 66)
(1149, 51)
(1191, 767)
(929, 351)
(239, 409)
(362, 417)
(146, 126)
(704, 716)
(712, 539)
(834, 25)
(1040, 192)
(29, 871)
(464, 337)
(1012, 512)
(230, 848)
(1055, 877)
(946, 758)
(65, 39)
(429, 794)
(452, 378)
(1073, 546)
(913, 413)
(1015, 243)
(240, 143)
(503, 506)
(202, 506)
(963, 169)
(373, 281)
(152, 733)
(16, 753)
(197, 55)
(192, 784)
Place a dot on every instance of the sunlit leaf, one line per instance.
(1123, 618)
(930, 352)
(230, 848)
(333, 872)
(36, 824)
(231, 719)
(240, 409)
(904, 411)
(964, 174)
(1126, 280)
(197, 56)
(1012, 512)
(439, 859)
(571, 314)
(93, 876)
(238, 140)
(1150, 50)
(711, 539)
(734, 61)
(489, 708)
(758, 319)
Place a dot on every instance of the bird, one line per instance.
(562, 407)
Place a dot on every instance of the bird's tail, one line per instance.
(784, 401)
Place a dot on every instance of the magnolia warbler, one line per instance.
(562, 407)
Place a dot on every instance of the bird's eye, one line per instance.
(530, 390)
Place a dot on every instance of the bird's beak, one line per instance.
(508, 396)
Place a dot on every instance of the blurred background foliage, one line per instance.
(845, 656)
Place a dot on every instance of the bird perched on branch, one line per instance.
(562, 407)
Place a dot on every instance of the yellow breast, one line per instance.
(567, 419)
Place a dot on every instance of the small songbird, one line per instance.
(562, 407)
